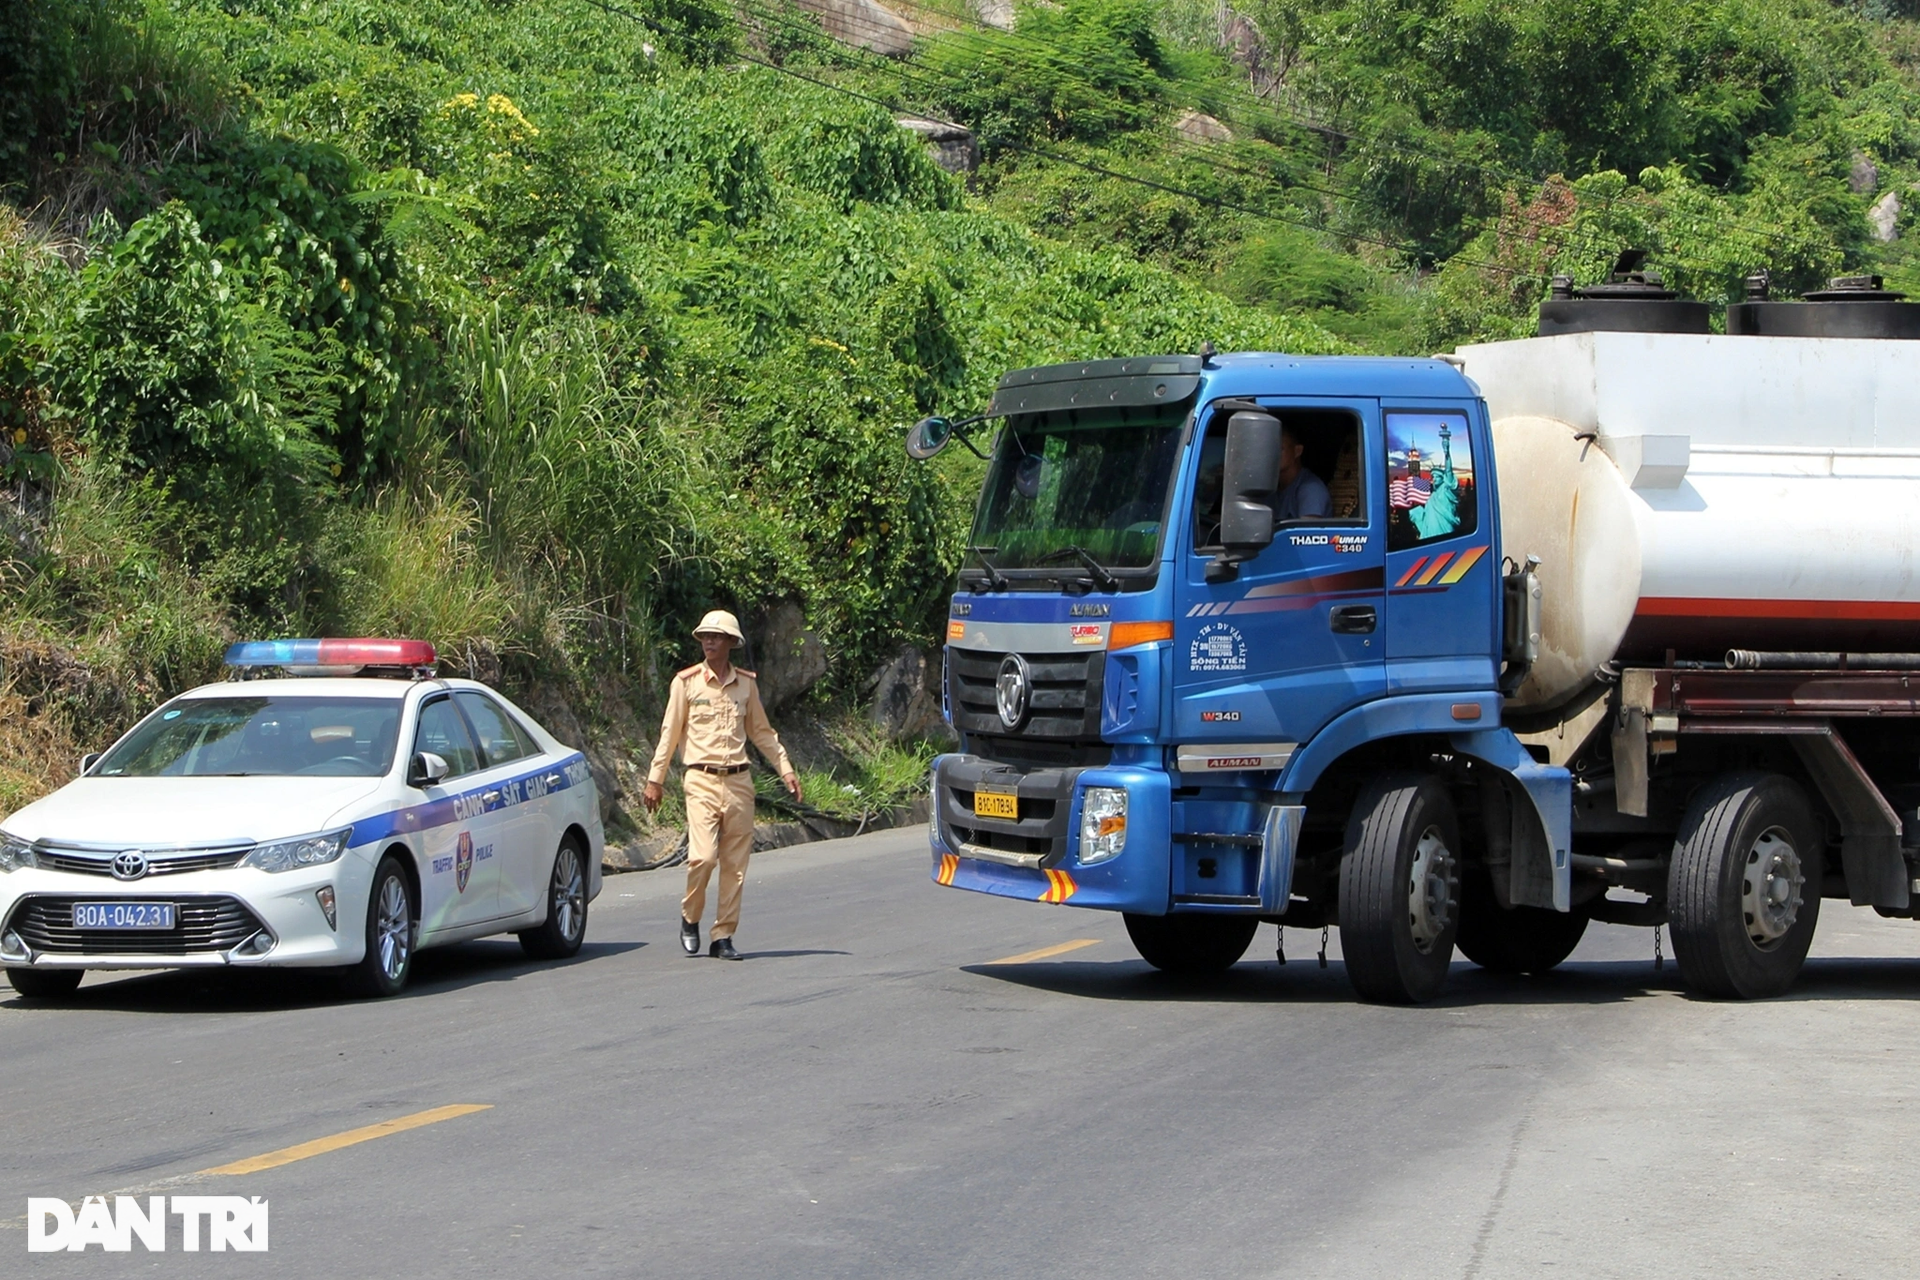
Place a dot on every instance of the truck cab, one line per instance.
(1208, 601)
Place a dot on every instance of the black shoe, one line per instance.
(690, 937)
(722, 949)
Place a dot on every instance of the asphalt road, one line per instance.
(869, 1096)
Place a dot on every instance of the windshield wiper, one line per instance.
(1101, 574)
(997, 580)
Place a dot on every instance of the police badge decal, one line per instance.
(463, 861)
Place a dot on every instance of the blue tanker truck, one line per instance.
(1325, 642)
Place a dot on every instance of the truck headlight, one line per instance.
(1103, 824)
(15, 853)
(307, 851)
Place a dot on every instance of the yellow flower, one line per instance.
(20, 435)
(501, 105)
(464, 101)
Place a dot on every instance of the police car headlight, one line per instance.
(307, 851)
(1103, 824)
(15, 853)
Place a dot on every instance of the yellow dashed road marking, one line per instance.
(1046, 953)
(352, 1137)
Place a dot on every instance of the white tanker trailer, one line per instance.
(1698, 493)
(1720, 628)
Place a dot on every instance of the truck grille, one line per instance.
(1062, 726)
(1045, 804)
(93, 863)
(205, 924)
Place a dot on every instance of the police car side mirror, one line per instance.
(426, 769)
(87, 762)
(1249, 473)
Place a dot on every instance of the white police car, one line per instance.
(347, 813)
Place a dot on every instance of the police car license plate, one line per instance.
(996, 804)
(123, 915)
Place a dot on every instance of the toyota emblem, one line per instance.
(1012, 689)
(130, 865)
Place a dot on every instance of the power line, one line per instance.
(988, 35)
(993, 40)
(939, 89)
(1089, 166)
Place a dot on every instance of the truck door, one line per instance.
(1273, 654)
(1443, 573)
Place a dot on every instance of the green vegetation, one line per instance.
(539, 326)
(1410, 173)
(523, 326)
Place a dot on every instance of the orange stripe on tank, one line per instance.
(1439, 563)
(1466, 561)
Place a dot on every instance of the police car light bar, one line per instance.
(344, 654)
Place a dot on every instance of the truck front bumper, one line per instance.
(1035, 855)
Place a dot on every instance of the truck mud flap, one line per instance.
(1541, 830)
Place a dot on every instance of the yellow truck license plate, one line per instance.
(996, 804)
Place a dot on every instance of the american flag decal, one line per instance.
(1408, 492)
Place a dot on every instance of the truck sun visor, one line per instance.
(1089, 384)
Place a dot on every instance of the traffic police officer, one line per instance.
(714, 708)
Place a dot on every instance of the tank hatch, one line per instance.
(1630, 300)
(1849, 307)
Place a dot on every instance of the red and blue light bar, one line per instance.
(331, 653)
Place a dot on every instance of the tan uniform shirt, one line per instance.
(714, 718)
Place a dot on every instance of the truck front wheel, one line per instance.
(1517, 939)
(1191, 943)
(1743, 893)
(1400, 889)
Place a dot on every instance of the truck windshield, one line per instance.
(1092, 481)
(243, 736)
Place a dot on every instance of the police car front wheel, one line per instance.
(384, 969)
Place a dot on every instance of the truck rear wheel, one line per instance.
(1191, 943)
(1743, 894)
(1400, 889)
(1516, 939)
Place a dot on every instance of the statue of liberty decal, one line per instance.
(1441, 512)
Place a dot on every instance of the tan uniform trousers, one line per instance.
(719, 831)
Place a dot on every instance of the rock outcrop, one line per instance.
(953, 146)
(864, 24)
(1884, 218)
(1863, 175)
(789, 658)
(1197, 127)
(906, 697)
(993, 13)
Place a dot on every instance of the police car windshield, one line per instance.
(246, 736)
(1090, 480)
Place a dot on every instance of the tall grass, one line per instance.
(575, 479)
(417, 566)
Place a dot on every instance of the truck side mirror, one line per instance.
(426, 769)
(928, 437)
(87, 762)
(1250, 473)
